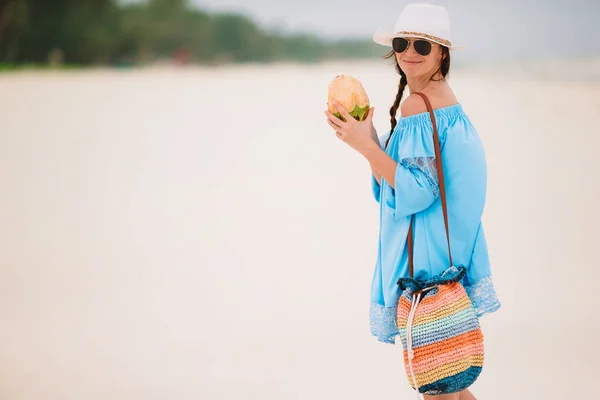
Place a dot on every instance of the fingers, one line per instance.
(335, 120)
(348, 117)
(343, 111)
(370, 114)
(334, 126)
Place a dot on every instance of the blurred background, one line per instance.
(215, 32)
(178, 221)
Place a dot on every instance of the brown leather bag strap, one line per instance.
(440, 172)
(410, 247)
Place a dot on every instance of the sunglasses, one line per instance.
(400, 45)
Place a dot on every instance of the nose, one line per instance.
(410, 51)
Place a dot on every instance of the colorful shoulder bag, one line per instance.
(438, 325)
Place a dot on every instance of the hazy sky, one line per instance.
(497, 29)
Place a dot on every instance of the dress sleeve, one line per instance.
(478, 282)
(415, 180)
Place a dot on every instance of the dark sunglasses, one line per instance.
(400, 45)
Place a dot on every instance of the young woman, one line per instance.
(405, 180)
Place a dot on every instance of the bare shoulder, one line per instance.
(413, 104)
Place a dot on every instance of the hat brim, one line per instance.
(385, 38)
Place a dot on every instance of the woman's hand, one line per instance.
(357, 134)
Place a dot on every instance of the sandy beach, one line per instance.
(202, 234)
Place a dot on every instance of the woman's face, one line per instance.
(414, 64)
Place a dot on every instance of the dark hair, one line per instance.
(444, 70)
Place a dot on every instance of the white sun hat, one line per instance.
(420, 20)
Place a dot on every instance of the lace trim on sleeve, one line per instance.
(427, 166)
(383, 322)
(483, 296)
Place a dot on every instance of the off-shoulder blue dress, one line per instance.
(417, 193)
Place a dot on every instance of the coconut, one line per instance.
(349, 92)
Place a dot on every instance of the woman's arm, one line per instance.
(381, 164)
(376, 174)
(414, 186)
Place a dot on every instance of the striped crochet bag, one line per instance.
(438, 325)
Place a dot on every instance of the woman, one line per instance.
(405, 179)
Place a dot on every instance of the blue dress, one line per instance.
(417, 192)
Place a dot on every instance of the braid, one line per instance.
(394, 108)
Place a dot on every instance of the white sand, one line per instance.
(202, 234)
